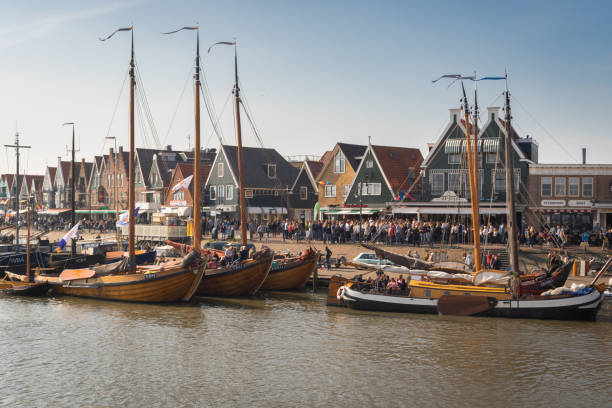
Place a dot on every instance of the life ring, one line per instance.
(340, 292)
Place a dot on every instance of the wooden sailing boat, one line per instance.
(124, 281)
(291, 273)
(508, 300)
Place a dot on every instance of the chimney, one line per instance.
(169, 148)
(584, 155)
(492, 112)
(120, 149)
(111, 152)
(454, 114)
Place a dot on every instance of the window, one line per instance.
(499, 183)
(573, 186)
(229, 192)
(454, 159)
(220, 170)
(303, 193)
(546, 183)
(271, 170)
(221, 191)
(213, 192)
(559, 186)
(454, 182)
(587, 186)
(491, 158)
(248, 193)
(346, 188)
(437, 183)
(330, 190)
(179, 196)
(121, 180)
(369, 164)
(339, 163)
(370, 189)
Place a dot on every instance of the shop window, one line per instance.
(573, 187)
(587, 186)
(559, 186)
(546, 183)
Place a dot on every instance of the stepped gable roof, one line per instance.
(397, 163)
(353, 153)
(315, 167)
(255, 161)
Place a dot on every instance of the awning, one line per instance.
(97, 211)
(53, 211)
(349, 211)
(266, 210)
(447, 210)
(458, 145)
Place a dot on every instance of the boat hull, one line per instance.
(158, 286)
(291, 275)
(27, 289)
(244, 279)
(140, 257)
(387, 303)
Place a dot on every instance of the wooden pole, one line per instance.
(72, 195)
(243, 208)
(473, 182)
(197, 196)
(131, 192)
(28, 267)
(17, 180)
(511, 217)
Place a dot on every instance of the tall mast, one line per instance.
(197, 196)
(116, 193)
(512, 232)
(28, 266)
(17, 146)
(197, 192)
(72, 184)
(243, 209)
(472, 157)
(131, 193)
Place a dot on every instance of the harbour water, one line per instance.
(281, 350)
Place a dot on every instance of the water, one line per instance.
(287, 350)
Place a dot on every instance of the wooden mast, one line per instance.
(17, 180)
(473, 173)
(131, 192)
(243, 226)
(511, 217)
(28, 268)
(197, 196)
(72, 193)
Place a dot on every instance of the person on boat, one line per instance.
(469, 260)
(328, 254)
(244, 253)
(401, 284)
(496, 264)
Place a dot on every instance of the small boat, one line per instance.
(59, 262)
(242, 278)
(291, 273)
(26, 289)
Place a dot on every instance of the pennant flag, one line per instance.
(124, 219)
(489, 79)
(221, 43)
(72, 234)
(182, 184)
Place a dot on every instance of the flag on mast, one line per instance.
(124, 219)
(72, 234)
(182, 184)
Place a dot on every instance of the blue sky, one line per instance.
(313, 72)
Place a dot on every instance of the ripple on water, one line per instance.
(290, 350)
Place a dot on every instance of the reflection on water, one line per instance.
(289, 349)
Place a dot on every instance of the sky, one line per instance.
(312, 73)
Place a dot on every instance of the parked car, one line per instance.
(370, 258)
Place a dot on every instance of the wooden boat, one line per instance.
(291, 273)
(124, 280)
(243, 278)
(170, 282)
(25, 288)
(59, 262)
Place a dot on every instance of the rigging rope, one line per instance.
(247, 110)
(146, 108)
(178, 104)
(218, 118)
(114, 113)
(210, 108)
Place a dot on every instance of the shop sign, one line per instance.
(178, 203)
(553, 203)
(580, 203)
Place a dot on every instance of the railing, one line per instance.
(157, 232)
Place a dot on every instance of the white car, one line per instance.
(370, 258)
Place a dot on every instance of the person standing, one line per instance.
(328, 254)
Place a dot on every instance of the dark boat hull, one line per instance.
(143, 258)
(387, 303)
(28, 289)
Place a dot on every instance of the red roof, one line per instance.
(52, 172)
(399, 165)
